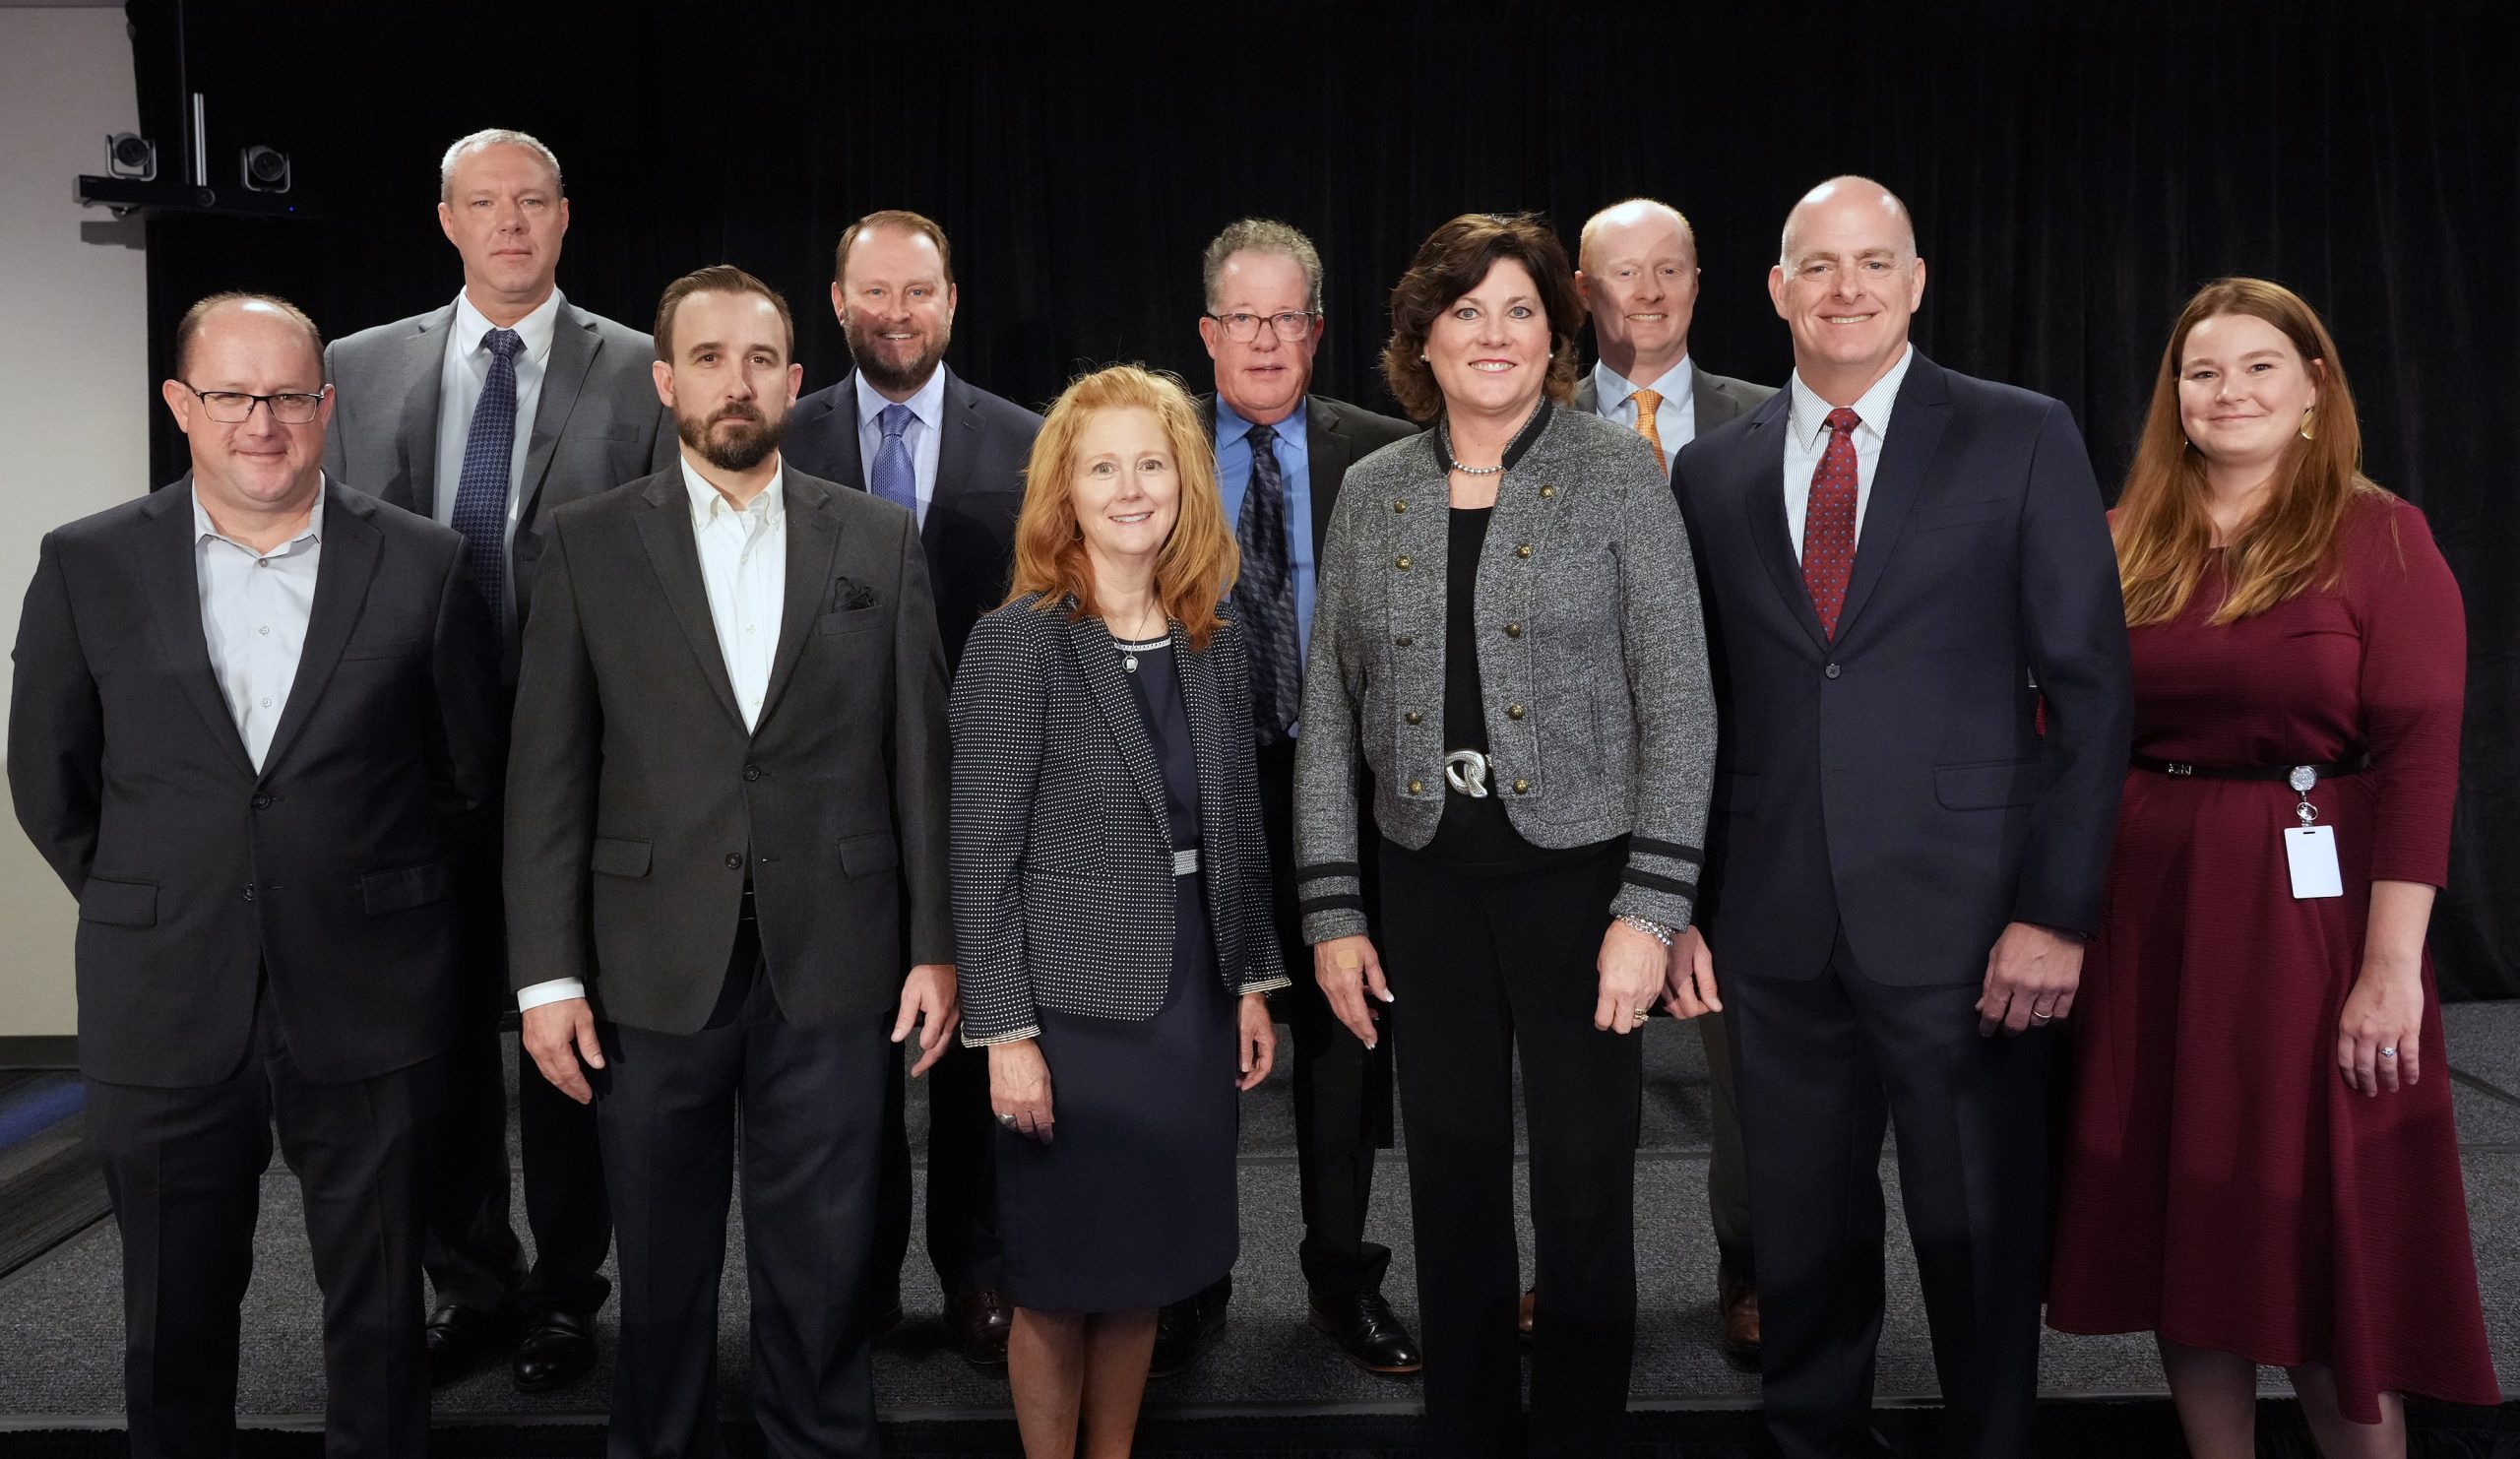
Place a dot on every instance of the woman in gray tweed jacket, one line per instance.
(1507, 637)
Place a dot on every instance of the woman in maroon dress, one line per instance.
(2259, 1169)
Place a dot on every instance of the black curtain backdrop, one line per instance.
(2073, 179)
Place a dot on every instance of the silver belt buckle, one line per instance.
(1185, 862)
(1465, 771)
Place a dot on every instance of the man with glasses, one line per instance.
(256, 721)
(1281, 451)
(487, 414)
(902, 425)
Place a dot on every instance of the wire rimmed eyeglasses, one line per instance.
(235, 406)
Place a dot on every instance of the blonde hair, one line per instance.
(2162, 531)
(1197, 564)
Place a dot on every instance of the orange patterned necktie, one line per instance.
(1647, 402)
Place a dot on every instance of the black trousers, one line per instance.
(184, 1169)
(1483, 968)
(962, 1178)
(1342, 1090)
(809, 1103)
(1824, 1064)
(471, 1251)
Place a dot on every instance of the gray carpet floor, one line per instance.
(61, 1321)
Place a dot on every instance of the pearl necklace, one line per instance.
(1455, 461)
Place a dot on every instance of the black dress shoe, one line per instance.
(1361, 1323)
(1736, 1300)
(1180, 1329)
(981, 1322)
(557, 1349)
(459, 1339)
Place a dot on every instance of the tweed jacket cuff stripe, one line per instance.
(1029, 1031)
(1670, 849)
(1324, 870)
(1672, 885)
(1310, 905)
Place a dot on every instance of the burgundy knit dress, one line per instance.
(2222, 1185)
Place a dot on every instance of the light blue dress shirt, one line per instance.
(254, 610)
(1295, 467)
(1674, 420)
(925, 438)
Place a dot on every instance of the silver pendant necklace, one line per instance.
(1132, 647)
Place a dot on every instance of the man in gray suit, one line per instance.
(727, 877)
(485, 414)
(1639, 275)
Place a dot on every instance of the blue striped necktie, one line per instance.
(489, 462)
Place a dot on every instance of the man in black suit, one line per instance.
(1262, 282)
(904, 428)
(725, 847)
(1639, 281)
(1900, 562)
(487, 414)
(255, 719)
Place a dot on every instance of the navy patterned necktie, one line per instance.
(1266, 594)
(490, 461)
(892, 479)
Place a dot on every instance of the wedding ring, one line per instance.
(2388, 1053)
(1007, 1120)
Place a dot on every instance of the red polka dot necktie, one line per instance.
(1828, 523)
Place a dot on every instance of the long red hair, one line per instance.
(1197, 563)
(2162, 531)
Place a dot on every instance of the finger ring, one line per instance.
(1641, 1012)
(1007, 1120)
(2388, 1053)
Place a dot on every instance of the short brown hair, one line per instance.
(715, 279)
(188, 328)
(1451, 263)
(893, 217)
(1198, 562)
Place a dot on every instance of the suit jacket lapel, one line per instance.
(1109, 684)
(850, 463)
(573, 345)
(813, 540)
(171, 579)
(421, 383)
(350, 544)
(1763, 504)
(1917, 420)
(1328, 453)
(675, 555)
(957, 438)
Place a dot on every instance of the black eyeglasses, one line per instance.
(235, 406)
(1242, 329)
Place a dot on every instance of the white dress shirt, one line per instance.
(1806, 435)
(1614, 397)
(743, 565)
(926, 436)
(254, 607)
(460, 382)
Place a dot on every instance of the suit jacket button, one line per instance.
(1404, 640)
(1399, 506)
(1513, 630)
(1513, 711)
(1828, 672)
(1414, 718)
(1403, 562)
(1548, 493)
(752, 772)
(262, 803)
(1522, 787)
(734, 860)
(1524, 550)
(249, 894)
(1415, 788)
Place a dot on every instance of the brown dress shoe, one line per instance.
(1522, 1313)
(1736, 1300)
(981, 1322)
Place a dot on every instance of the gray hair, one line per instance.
(1262, 236)
(492, 137)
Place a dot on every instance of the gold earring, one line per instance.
(2309, 417)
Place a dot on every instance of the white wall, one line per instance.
(74, 391)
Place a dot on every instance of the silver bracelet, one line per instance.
(1652, 929)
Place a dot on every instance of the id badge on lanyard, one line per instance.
(2310, 849)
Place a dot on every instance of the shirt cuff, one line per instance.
(559, 989)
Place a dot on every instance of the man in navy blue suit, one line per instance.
(1898, 563)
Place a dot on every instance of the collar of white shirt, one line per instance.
(535, 328)
(928, 402)
(709, 504)
(313, 531)
(1809, 417)
(1610, 389)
